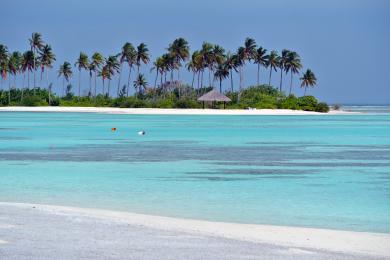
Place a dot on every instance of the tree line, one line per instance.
(212, 59)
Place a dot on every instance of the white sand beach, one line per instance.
(160, 111)
(42, 229)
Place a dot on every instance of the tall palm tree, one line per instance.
(246, 53)
(81, 63)
(46, 58)
(66, 72)
(221, 73)
(28, 65)
(308, 80)
(180, 50)
(231, 64)
(259, 58)
(140, 84)
(112, 65)
(158, 65)
(3, 62)
(96, 63)
(142, 56)
(104, 74)
(128, 55)
(91, 70)
(272, 63)
(207, 53)
(36, 43)
(283, 60)
(293, 65)
(13, 68)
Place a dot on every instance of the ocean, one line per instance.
(326, 171)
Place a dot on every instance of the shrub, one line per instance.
(308, 103)
(290, 102)
(32, 101)
(322, 107)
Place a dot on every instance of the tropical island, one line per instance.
(210, 66)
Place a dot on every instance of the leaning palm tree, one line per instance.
(308, 80)
(36, 44)
(247, 52)
(66, 72)
(158, 65)
(140, 84)
(221, 73)
(81, 63)
(293, 65)
(46, 59)
(283, 60)
(142, 56)
(112, 65)
(96, 62)
(180, 51)
(259, 58)
(272, 63)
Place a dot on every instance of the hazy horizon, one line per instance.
(345, 44)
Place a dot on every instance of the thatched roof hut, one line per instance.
(214, 96)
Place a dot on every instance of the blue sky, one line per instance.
(345, 42)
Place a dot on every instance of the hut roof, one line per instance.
(214, 95)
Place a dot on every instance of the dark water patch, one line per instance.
(253, 172)
(13, 138)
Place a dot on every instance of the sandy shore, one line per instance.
(44, 225)
(160, 111)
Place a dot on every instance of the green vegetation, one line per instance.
(263, 96)
(211, 59)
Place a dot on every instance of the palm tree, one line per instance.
(13, 68)
(140, 83)
(282, 65)
(221, 73)
(293, 65)
(112, 66)
(66, 72)
(3, 62)
(104, 74)
(96, 62)
(308, 79)
(81, 63)
(272, 63)
(27, 65)
(231, 64)
(36, 44)
(259, 58)
(158, 65)
(180, 51)
(46, 58)
(128, 54)
(207, 61)
(246, 54)
(142, 56)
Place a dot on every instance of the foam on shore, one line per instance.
(161, 111)
(374, 244)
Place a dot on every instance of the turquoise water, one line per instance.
(314, 171)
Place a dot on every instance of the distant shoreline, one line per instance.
(349, 242)
(170, 111)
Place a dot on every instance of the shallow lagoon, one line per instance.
(316, 171)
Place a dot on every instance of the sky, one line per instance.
(346, 43)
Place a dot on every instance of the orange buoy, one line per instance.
(113, 129)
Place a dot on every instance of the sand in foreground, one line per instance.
(48, 232)
(160, 111)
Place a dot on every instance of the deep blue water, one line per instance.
(316, 171)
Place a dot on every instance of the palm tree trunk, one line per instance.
(291, 80)
(304, 94)
(28, 79)
(90, 85)
(34, 69)
(201, 81)
(63, 86)
(9, 90)
(281, 80)
(210, 84)
(79, 83)
(128, 82)
(155, 81)
(119, 78)
(240, 71)
(270, 74)
(95, 83)
(24, 79)
(103, 89)
(108, 89)
(258, 74)
(48, 88)
(193, 79)
(231, 79)
(220, 85)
